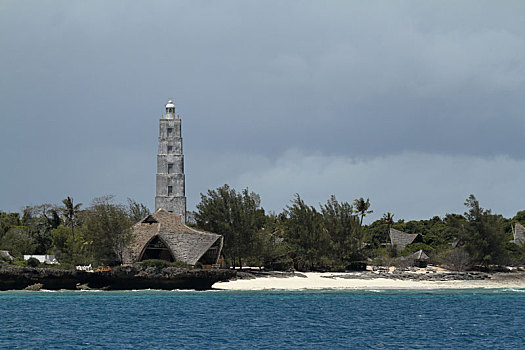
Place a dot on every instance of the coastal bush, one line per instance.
(33, 262)
(515, 254)
(107, 226)
(18, 241)
(61, 266)
(483, 234)
(356, 266)
(457, 259)
(7, 221)
(178, 263)
(155, 263)
(20, 262)
(198, 265)
(237, 216)
(329, 237)
(337, 268)
(284, 263)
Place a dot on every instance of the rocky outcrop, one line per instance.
(121, 278)
(449, 276)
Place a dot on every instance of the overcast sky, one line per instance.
(415, 104)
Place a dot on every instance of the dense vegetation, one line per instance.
(332, 236)
(329, 237)
(95, 235)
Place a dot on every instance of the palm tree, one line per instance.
(388, 219)
(70, 211)
(361, 208)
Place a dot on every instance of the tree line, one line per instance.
(93, 235)
(330, 236)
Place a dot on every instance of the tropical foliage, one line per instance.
(96, 234)
(332, 236)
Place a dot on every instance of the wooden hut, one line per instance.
(162, 235)
(419, 258)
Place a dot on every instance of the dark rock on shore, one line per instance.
(449, 276)
(250, 274)
(120, 278)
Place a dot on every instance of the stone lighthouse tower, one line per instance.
(171, 193)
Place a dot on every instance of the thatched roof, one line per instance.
(400, 239)
(184, 243)
(414, 257)
(419, 255)
(519, 234)
(4, 255)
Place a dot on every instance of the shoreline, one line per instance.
(139, 278)
(368, 281)
(122, 278)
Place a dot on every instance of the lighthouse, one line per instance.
(170, 182)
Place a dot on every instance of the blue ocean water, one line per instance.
(400, 319)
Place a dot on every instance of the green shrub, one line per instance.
(181, 264)
(198, 265)
(156, 263)
(356, 266)
(284, 263)
(33, 262)
(20, 262)
(61, 266)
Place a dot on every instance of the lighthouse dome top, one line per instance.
(170, 104)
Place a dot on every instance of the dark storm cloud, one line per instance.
(82, 85)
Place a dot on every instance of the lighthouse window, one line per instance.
(170, 190)
(170, 149)
(170, 131)
(170, 168)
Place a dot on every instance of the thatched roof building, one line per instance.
(418, 258)
(519, 234)
(400, 239)
(162, 235)
(419, 255)
(5, 256)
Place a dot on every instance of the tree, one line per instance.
(272, 250)
(107, 230)
(483, 234)
(137, 211)
(361, 208)
(18, 242)
(39, 220)
(7, 221)
(388, 219)
(70, 211)
(306, 234)
(344, 229)
(457, 259)
(236, 216)
(519, 217)
(62, 241)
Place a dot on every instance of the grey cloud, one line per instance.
(358, 80)
(411, 185)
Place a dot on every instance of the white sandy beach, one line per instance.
(327, 280)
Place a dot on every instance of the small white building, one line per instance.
(44, 259)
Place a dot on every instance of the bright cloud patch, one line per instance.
(411, 185)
